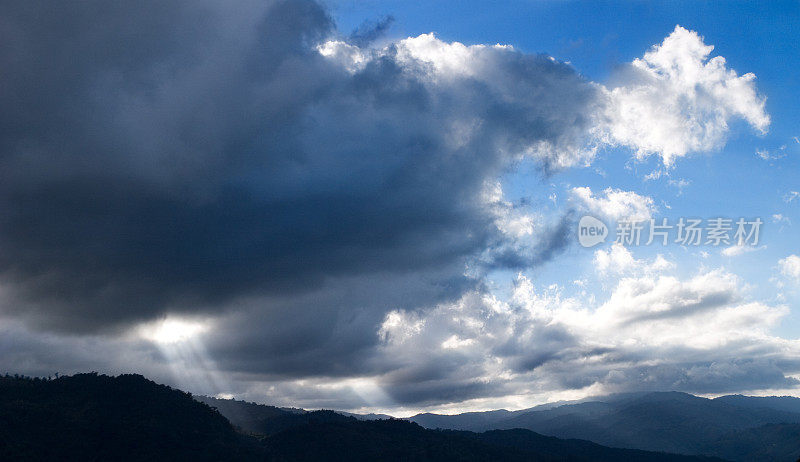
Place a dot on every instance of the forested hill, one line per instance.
(96, 417)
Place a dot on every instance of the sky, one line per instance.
(377, 206)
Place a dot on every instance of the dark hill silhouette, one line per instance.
(769, 442)
(256, 418)
(96, 417)
(350, 439)
(90, 417)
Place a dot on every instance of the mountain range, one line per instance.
(733, 427)
(97, 417)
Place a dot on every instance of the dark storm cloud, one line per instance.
(369, 31)
(176, 155)
(531, 251)
(326, 332)
(725, 376)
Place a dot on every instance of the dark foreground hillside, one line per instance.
(399, 440)
(95, 417)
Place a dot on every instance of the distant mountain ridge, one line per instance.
(731, 427)
(661, 421)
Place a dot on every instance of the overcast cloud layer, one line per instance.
(327, 210)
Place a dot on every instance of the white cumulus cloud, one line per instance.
(677, 100)
(653, 330)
